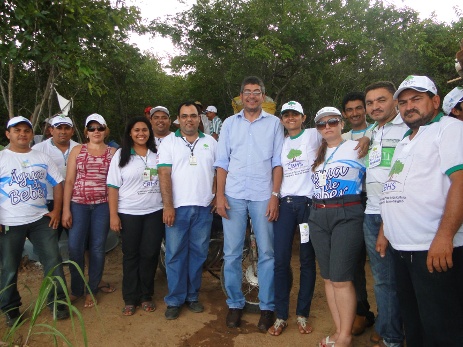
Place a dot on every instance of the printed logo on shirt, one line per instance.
(396, 181)
(294, 163)
(25, 186)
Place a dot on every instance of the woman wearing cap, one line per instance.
(85, 205)
(297, 156)
(336, 219)
(135, 206)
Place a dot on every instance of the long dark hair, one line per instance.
(127, 142)
(320, 155)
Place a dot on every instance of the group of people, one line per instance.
(391, 189)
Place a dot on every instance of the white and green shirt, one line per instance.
(139, 193)
(191, 184)
(385, 139)
(414, 195)
(297, 157)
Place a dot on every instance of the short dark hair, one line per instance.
(188, 103)
(352, 96)
(253, 80)
(389, 86)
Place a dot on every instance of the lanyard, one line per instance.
(143, 160)
(191, 146)
(332, 154)
(65, 154)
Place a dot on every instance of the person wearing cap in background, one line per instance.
(299, 150)
(58, 148)
(204, 125)
(336, 219)
(45, 127)
(160, 123)
(85, 206)
(387, 131)
(25, 176)
(214, 121)
(452, 103)
(421, 208)
(147, 112)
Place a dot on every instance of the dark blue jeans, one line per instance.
(45, 242)
(90, 225)
(431, 303)
(294, 210)
(141, 242)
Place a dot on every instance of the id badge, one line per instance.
(375, 155)
(321, 178)
(193, 160)
(304, 230)
(146, 175)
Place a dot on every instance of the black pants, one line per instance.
(141, 243)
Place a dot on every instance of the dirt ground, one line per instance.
(106, 326)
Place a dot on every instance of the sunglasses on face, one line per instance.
(332, 122)
(100, 128)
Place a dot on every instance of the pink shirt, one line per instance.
(90, 186)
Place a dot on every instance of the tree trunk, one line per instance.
(10, 91)
(46, 93)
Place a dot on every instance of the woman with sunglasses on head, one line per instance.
(298, 153)
(335, 220)
(135, 206)
(85, 206)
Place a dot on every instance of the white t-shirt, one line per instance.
(297, 157)
(386, 138)
(23, 186)
(206, 124)
(191, 184)
(414, 196)
(139, 194)
(343, 170)
(60, 158)
(358, 134)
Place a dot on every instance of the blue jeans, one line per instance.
(389, 320)
(234, 230)
(294, 210)
(45, 242)
(431, 303)
(187, 243)
(90, 225)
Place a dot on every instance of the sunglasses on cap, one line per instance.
(100, 128)
(332, 122)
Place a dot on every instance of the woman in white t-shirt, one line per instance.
(336, 219)
(297, 156)
(135, 208)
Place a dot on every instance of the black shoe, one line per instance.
(266, 320)
(62, 312)
(234, 317)
(13, 316)
(172, 312)
(195, 306)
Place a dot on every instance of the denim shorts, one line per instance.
(337, 237)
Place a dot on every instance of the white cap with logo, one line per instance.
(16, 120)
(452, 99)
(327, 111)
(61, 119)
(293, 106)
(95, 117)
(419, 83)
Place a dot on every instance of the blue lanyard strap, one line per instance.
(332, 154)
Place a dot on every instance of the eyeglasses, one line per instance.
(254, 93)
(332, 122)
(92, 129)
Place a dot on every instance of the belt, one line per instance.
(350, 203)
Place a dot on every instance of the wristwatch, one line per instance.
(276, 194)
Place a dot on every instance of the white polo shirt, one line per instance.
(60, 158)
(191, 184)
(414, 196)
(387, 136)
(137, 196)
(24, 182)
(297, 157)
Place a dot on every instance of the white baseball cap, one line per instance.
(159, 108)
(95, 117)
(419, 83)
(327, 111)
(292, 105)
(211, 109)
(16, 120)
(452, 99)
(61, 119)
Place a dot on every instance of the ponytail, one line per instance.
(320, 155)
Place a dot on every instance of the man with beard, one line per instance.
(421, 210)
(249, 176)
